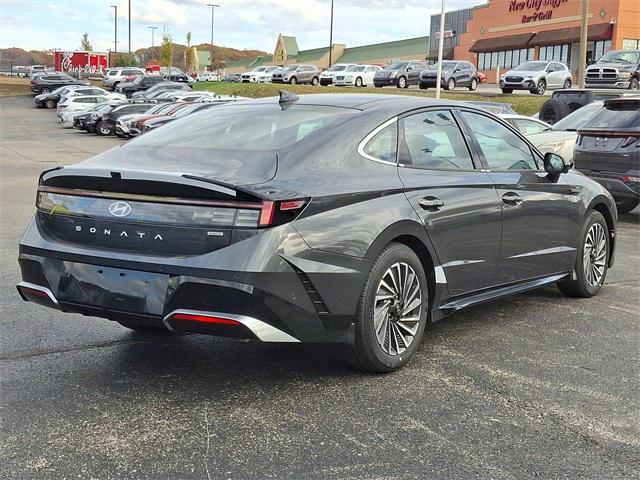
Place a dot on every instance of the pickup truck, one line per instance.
(615, 69)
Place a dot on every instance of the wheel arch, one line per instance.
(601, 205)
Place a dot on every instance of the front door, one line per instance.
(539, 211)
(456, 202)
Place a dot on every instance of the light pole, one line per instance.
(115, 28)
(129, 29)
(584, 28)
(331, 35)
(440, 45)
(153, 39)
(213, 8)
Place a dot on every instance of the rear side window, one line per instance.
(616, 115)
(433, 140)
(383, 145)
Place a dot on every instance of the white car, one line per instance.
(561, 139)
(356, 76)
(114, 76)
(66, 117)
(258, 75)
(526, 125)
(208, 77)
(86, 91)
(71, 104)
(326, 78)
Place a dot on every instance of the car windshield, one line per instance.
(356, 68)
(291, 68)
(620, 57)
(243, 127)
(577, 119)
(397, 66)
(445, 66)
(531, 67)
(616, 114)
(337, 68)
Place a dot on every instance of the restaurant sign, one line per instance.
(535, 10)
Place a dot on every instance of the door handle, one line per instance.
(431, 203)
(512, 198)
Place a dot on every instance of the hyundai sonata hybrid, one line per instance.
(349, 219)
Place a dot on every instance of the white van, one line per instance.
(36, 69)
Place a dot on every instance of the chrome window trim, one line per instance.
(262, 330)
(372, 134)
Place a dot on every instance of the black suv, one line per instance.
(615, 69)
(608, 150)
(50, 82)
(454, 74)
(400, 74)
(144, 82)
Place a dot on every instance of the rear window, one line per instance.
(616, 115)
(265, 127)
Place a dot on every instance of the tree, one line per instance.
(166, 50)
(189, 56)
(85, 44)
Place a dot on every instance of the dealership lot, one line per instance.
(534, 385)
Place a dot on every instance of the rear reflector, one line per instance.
(628, 179)
(204, 319)
(292, 205)
(34, 292)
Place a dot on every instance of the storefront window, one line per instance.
(556, 53)
(630, 44)
(505, 59)
(600, 48)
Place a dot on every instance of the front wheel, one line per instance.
(102, 130)
(50, 104)
(293, 80)
(592, 259)
(540, 88)
(507, 90)
(315, 81)
(402, 82)
(473, 85)
(567, 83)
(392, 312)
(451, 85)
(634, 84)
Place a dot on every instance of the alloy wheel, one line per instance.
(402, 82)
(542, 87)
(594, 255)
(452, 84)
(397, 307)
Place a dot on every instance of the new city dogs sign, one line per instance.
(534, 10)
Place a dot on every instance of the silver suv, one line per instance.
(536, 76)
(297, 74)
(114, 76)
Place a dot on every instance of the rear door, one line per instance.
(413, 72)
(461, 74)
(540, 212)
(456, 201)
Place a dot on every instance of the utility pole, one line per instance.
(331, 36)
(129, 29)
(440, 46)
(583, 43)
(153, 39)
(115, 28)
(213, 8)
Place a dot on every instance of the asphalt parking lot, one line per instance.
(534, 386)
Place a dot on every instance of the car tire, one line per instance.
(540, 88)
(102, 131)
(626, 205)
(567, 83)
(634, 84)
(50, 104)
(395, 341)
(358, 82)
(451, 85)
(402, 82)
(293, 80)
(45, 90)
(507, 90)
(114, 86)
(554, 110)
(315, 81)
(592, 259)
(473, 85)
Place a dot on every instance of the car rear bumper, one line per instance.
(292, 294)
(615, 184)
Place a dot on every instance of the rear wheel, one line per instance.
(392, 312)
(358, 82)
(567, 83)
(473, 85)
(625, 205)
(592, 259)
(45, 90)
(315, 81)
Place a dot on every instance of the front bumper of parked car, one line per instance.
(385, 82)
(524, 84)
(604, 83)
(285, 294)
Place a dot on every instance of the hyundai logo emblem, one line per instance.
(119, 209)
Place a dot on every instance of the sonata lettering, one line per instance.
(123, 233)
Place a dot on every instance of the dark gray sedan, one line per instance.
(349, 219)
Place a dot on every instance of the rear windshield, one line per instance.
(577, 119)
(616, 115)
(264, 127)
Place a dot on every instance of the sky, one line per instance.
(242, 24)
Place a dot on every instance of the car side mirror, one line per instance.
(554, 164)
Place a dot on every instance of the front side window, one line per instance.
(501, 148)
(384, 144)
(433, 140)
